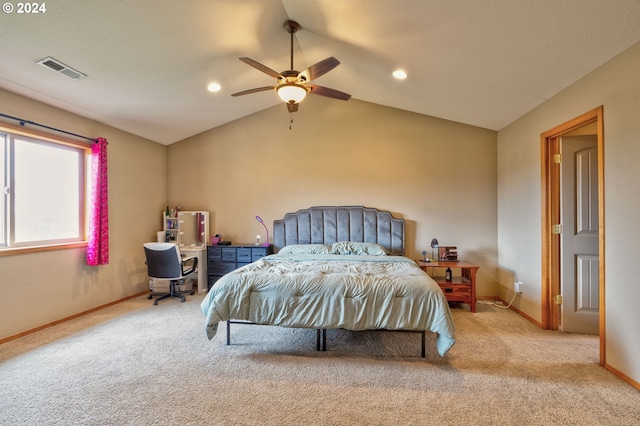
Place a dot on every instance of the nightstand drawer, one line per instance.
(456, 292)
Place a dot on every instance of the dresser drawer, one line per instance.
(228, 254)
(212, 280)
(214, 254)
(221, 268)
(258, 253)
(244, 255)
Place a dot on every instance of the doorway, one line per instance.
(552, 261)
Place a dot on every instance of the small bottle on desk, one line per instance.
(447, 274)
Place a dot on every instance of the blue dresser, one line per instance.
(224, 259)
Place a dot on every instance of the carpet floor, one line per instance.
(138, 364)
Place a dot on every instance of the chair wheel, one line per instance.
(192, 293)
(150, 297)
(182, 301)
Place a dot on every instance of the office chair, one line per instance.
(164, 262)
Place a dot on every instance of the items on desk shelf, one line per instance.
(447, 253)
(447, 275)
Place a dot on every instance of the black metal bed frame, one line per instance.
(321, 335)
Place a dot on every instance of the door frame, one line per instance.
(551, 262)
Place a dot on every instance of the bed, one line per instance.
(340, 267)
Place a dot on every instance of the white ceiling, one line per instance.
(148, 62)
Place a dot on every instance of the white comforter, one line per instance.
(332, 291)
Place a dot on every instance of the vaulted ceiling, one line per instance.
(148, 62)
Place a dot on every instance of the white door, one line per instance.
(579, 270)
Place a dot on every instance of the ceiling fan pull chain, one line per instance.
(290, 121)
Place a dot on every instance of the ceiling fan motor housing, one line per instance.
(291, 26)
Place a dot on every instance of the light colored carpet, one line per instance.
(138, 364)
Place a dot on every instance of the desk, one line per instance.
(461, 288)
(201, 254)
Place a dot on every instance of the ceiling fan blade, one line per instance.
(330, 93)
(320, 68)
(292, 107)
(256, 90)
(257, 65)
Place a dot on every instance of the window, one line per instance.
(44, 182)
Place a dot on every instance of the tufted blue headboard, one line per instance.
(327, 225)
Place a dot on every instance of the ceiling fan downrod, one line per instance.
(292, 27)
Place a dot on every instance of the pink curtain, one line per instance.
(98, 247)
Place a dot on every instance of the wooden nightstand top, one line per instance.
(463, 264)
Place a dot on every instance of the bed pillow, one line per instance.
(361, 249)
(305, 249)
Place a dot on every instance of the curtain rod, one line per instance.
(23, 122)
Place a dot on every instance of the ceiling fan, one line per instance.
(293, 86)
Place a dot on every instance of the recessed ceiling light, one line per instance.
(214, 87)
(399, 74)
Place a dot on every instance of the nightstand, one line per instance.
(461, 288)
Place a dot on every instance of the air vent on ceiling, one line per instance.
(59, 67)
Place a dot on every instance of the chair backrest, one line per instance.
(163, 260)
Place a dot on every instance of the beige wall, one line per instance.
(616, 86)
(40, 288)
(438, 175)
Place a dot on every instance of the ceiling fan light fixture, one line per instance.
(292, 93)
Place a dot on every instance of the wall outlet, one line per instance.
(517, 286)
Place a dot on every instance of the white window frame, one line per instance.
(8, 246)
